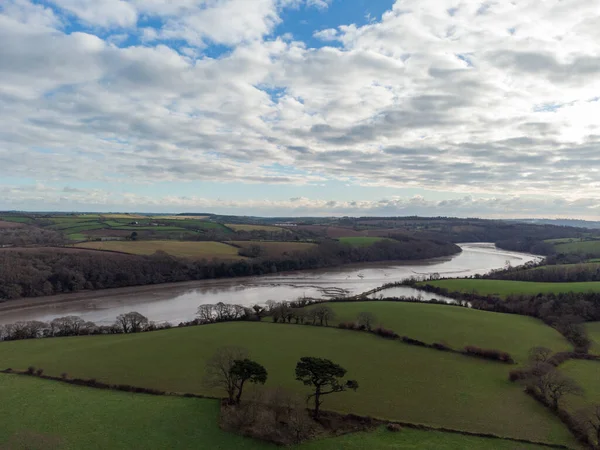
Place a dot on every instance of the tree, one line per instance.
(366, 319)
(590, 417)
(324, 314)
(539, 354)
(324, 376)
(246, 370)
(132, 322)
(218, 369)
(551, 383)
(134, 236)
(205, 313)
(67, 326)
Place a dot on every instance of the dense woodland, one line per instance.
(36, 272)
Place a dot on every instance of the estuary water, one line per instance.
(178, 302)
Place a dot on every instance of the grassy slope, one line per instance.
(504, 288)
(76, 417)
(588, 247)
(458, 327)
(397, 381)
(175, 248)
(360, 241)
(593, 329)
(586, 373)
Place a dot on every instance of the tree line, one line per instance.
(35, 272)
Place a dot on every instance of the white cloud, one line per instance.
(489, 100)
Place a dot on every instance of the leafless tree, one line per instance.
(67, 326)
(218, 369)
(366, 319)
(132, 322)
(205, 313)
(324, 314)
(552, 383)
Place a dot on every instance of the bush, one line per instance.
(442, 347)
(64, 375)
(385, 333)
(492, 354)
(30, 370)
(412, 341)
(347, 326)
(39, 372)
(394, 427)
(518, 374)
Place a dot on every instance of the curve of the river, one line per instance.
(179, 301)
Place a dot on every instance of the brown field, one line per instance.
(179, 217)
(182, 249)
(275, 249)
(268, 228)
(6, 225)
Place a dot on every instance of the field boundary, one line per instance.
(92, 383)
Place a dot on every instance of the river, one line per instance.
(178, 302)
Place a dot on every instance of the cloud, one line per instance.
(499, 100)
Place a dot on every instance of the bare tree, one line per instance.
(552, 383)
(67, 326)
(132, 322)
(218, 369)
(205, 313)
(366, 319)
(324, 314)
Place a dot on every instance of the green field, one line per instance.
(457, 327)
(584, 247)
(197, 250)
(397, 381)
(363, 241)
(503, 288)
(593, 330)
(17, 219)
(60, 416)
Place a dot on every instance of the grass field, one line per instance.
(268, 228)
(585, 247)
(593, 330)
(67, 417)
(197, 250)
(16, 219)
(361, 241)
(397, 381)
(275, 249)
(457, 327)
(503, 288)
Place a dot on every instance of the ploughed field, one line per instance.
(60, 416)
(504, 288)
(397, 381)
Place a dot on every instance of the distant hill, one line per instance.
(595, 225)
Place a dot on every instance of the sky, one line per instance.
(301, 107)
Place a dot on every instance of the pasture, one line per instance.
(456, 326)
(363, 241)
(586, 247)
(397, 381)
(593, 330)
(503, 288)
(196, 250)
(68, 417)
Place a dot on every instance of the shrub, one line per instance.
(394, 427)
(64, 375)
(439, 346)
(412, 341)
(30, 370)
(518, 374)
(39, 372)
(492, 354)
(347, 326)
(385, 333)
